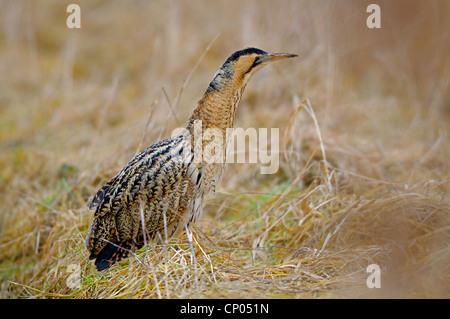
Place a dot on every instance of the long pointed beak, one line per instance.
(271, 57)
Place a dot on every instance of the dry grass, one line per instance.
(75, 106)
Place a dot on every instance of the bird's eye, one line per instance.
(255, 63)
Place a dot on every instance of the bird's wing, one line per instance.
(156, 176)
(98, 198)
(153, 169)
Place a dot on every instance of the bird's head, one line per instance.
(241, 65)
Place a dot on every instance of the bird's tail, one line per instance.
(112, 253)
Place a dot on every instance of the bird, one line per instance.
(160, 191)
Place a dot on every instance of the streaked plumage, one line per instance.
(160, 191)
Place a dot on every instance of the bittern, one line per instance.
(157, 195)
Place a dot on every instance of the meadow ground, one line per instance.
(76, 105)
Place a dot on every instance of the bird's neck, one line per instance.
(217, 108)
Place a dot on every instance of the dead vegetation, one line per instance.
(364, 172)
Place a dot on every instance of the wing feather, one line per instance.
(156, 177)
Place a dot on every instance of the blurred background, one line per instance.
(76, 104)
